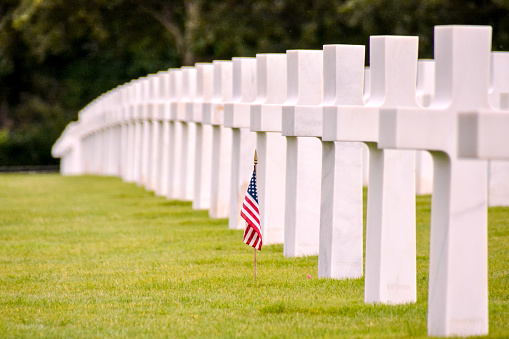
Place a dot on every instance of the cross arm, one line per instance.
(417, 129)
(483, 135)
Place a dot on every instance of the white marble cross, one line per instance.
(99, 139)
(92, 144)
(484, 134)
(185, 162)
(175, 132)
(498, 180)
(390, 274)
(237, 118)
(129, 145)
(203, 142)
(103, 134)
(303, 155)
(137, 116)
(160, 183)
(121, 131)
(69, 149)
(145, 115)
(425, 81)
(113, 138)
(119, 117)
(84, 142)
(96, 137)
(270, 144)
(150, 133)
(341, 228)
(365, 150)
(108, 131)
(213, 114)
(84, 121)
(135, 130)
(458, 290)
(155, 132)
(124, 127)
(425, 93)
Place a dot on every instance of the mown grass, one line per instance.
(95, 257)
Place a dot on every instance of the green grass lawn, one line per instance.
(96, 257)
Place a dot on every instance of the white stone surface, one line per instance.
(112, 150)
(271, 179)
(302, 216)
(124, 128)
(367, 84)
(498, 173)
(498, 184)
(129, 143)
(164, 115)
(423, 173)
(158, 84)
(458, 293)
(141, 117)
(185, 162)
(175, 130)
(154, 153)
(163, 189)
(203, 151)
(243, 148)
(341, 226)
(213, 114)
(69, 148)
(425, 81)
(147, 146)
(390, 274)
(99, 139)
(499, 80)
(116, 102)
(365, 149)
(131, 136)
(487, 132)
(365, 165)
(493, 126)
(146, 121)
(138, 131)
(425, 93)
(237, 117)
(203, 175)
(303, 155)
(270, 146)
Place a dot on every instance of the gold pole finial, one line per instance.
(256, 158)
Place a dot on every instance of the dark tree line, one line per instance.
(58, 55)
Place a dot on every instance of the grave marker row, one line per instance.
(190, 133)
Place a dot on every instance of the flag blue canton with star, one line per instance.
(252, 188)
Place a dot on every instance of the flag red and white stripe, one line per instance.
(251, 213)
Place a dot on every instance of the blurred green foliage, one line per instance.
(58, 55)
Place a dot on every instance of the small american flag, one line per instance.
(251, 213)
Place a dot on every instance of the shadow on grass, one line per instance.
(357, 310)
(176, 203)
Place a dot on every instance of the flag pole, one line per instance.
(255, 163)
